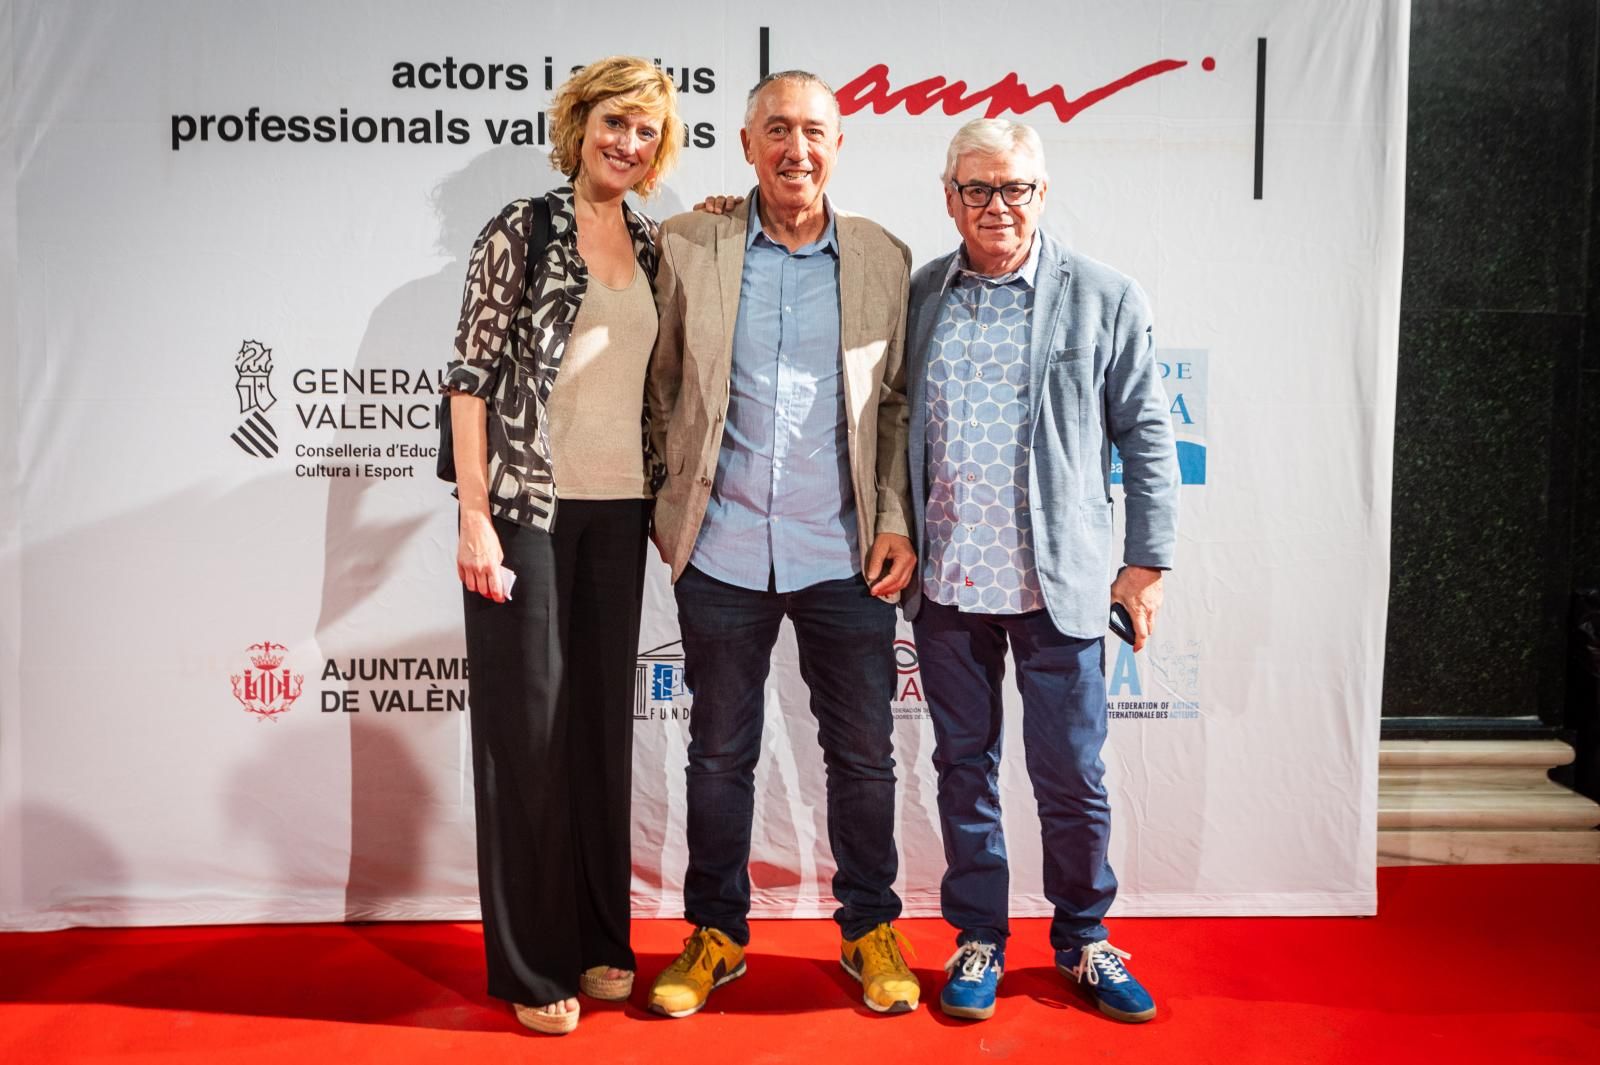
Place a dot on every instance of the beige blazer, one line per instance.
(697, 297)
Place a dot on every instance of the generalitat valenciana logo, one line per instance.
(255, 435)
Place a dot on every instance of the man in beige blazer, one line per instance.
(777, 398)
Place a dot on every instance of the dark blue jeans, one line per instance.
(963, 661)
(846, 641)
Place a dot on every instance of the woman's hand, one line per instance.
(478, 556)
(719, 204)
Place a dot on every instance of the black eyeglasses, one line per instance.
(1012, 194)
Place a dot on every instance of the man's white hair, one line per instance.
(993, 136)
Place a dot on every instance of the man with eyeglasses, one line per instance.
(1025, 363)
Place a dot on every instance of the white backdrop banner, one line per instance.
(232, 243)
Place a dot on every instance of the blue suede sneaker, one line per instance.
(975, 970)
(1098, 970)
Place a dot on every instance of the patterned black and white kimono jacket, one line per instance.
(513, 332)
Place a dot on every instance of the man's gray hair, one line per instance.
(993, 136)
(799, 77)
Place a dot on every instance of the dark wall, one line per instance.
(1497, 428)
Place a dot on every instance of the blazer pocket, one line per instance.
(1069, 354)
(1096, 513)
(1066, 412)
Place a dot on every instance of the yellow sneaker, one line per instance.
(887, 985)
(709, 960)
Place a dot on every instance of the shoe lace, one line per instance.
(1101, 959)
(884, 943)
(694, 950)
(974, 959)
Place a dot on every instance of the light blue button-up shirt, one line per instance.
(782, 507)
(979, 533)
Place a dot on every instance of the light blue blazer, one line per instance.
(1093, 383)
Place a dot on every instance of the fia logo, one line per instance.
(255, 435)
(908, 703)
(1163, 683)
(270, 688)
(908, 666)
(1183, 375)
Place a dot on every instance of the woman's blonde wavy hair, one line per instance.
(638, 86)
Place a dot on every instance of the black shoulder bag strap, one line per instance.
(538, 240)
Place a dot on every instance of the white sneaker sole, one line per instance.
(657, 1008)
(897, 1006)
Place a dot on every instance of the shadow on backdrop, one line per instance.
(411, 797)
(68, 869)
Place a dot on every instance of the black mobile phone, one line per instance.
(1121, 623)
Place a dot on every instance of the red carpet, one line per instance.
(1464, 964)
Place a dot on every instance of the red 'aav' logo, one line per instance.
(270, 688)
(872, 88)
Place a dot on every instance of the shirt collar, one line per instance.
(829, 241)
(1026, 273)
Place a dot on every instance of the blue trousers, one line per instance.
(846, 642)
(963, 662)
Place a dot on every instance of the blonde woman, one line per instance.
(554, 476)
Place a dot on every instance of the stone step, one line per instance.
(1445, 847)
(1544, 753)
(1555, 809)
(1472, 778)
(1479, 802)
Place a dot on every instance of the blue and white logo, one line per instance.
(1183, 375)
(666, 681)
(660, 693)
(1163, 684)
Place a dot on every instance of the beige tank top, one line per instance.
(595, 439)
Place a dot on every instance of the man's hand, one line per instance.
(1139, 589)
(895, 552)
(719, 204)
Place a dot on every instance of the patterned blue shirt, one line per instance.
(979, 539)
(782, 505)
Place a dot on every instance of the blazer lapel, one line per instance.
(919, 333)
(852, 292)
(1049, 304)
(919, 336)
(924, 315)
(730, 271)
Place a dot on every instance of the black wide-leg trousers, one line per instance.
(551, 683)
